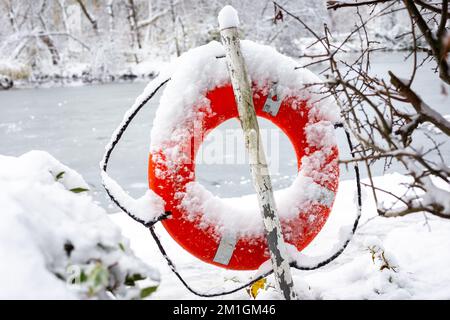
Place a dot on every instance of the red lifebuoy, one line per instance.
(203, 241)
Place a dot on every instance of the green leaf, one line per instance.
(60, 175)
(99, 276)
(83, 276)
(121, 246)
(131, 279)
(79, 190)
(145, 292)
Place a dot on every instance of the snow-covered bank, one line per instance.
(77, 73)
(48, 233)
(55, 242)
(389, 258)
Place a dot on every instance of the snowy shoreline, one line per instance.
(389, 258)
(68, 76)
(59, 82)
(56, 80)
(76, 74)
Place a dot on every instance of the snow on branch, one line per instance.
(425, 112)
(88, 15)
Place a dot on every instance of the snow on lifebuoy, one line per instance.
(198, 98)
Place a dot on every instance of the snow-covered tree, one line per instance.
(103, 39)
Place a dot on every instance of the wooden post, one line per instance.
(240, 81)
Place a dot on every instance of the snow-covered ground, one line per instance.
(51, 229)
(55, 242)
(388, 258)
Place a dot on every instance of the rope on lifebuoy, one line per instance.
(112, 145)
(333, 256)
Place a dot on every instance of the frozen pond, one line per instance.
(74, 125)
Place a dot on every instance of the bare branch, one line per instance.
(435, 43)
(334, 5)
(426, 113)
(91, 18)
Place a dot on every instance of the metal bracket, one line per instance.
(272, 106)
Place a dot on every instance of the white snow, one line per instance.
(242, 214)
(415, 247)
(14, 69)
(228, 17)
(51, 232)
(431, 127)
(405, 257)
(149, 66)
(146, 208)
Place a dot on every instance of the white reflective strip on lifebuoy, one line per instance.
(226, 248)
(272, 106)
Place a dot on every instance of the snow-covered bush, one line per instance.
(55, 242)
(14, 69)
